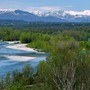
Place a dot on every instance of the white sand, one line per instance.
(19, 58)
(13, 48)
(20, 47)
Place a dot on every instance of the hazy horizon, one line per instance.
(77, 5)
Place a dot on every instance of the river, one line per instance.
(16, 56)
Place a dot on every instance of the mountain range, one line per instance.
(46, 16)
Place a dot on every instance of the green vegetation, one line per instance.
(67, 66)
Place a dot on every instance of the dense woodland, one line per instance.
(67, 66)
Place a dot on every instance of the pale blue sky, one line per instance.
(78, 5)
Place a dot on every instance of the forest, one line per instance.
(67, 66)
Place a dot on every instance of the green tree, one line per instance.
(68, 68)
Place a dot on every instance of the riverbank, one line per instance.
(15, 56)
(20, 47)
(11, 51)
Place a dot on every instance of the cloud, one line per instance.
(44, 8)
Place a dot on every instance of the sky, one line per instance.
(77, 5)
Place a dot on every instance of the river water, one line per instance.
(10, 64)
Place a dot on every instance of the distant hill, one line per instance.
(26, 16)
(51, 16)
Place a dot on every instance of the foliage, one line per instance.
(67, 66)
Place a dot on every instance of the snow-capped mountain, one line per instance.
(27, 16)
(66, 15)
(61, 13)
(57, 15)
